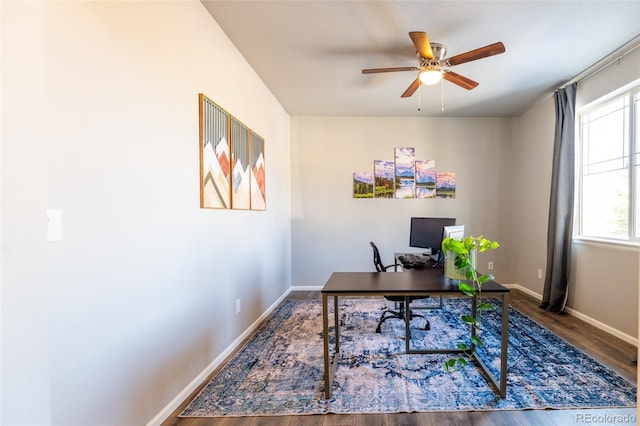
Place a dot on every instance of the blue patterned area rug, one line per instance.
(280, 370)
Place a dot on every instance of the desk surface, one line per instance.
(430, 280)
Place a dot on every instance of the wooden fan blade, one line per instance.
(411, 89)
(421, 41)
(377, 70)
(460, 80)
(482, 52)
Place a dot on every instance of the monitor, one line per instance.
(426, 232)
(451, 231)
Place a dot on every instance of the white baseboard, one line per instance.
(306, 288)
(198, 380)
(524, 290)
(602, 326)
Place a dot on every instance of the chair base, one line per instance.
(399, 315)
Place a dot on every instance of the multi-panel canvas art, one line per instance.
(258, 189)
(383, 179)
(405, 173)
(240, 166)
(425, 178)
(363, 185)
(404, 177)
(232, 167)
(215, 160)
(446, 185)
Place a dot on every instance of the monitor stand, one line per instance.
(437, 260)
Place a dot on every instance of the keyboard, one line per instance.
(413, 261)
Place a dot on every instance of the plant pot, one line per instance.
(450, 270)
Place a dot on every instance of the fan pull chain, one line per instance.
(419, 99)
(442, 95)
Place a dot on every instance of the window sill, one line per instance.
(614, 244)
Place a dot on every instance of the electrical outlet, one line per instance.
(490, 266)
(540, 274)
(237, 306)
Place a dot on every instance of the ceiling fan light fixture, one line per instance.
(430, 76)
(432, 63)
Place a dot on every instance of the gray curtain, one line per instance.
(560, 228)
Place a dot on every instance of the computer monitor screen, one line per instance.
(426, 232)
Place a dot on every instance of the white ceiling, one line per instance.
(310, 53)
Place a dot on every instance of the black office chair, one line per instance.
(399, 312)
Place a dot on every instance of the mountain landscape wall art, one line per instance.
(363, 185)
(404, 177)
(215, 166)
(258, 181)
(405, 172)
(446, 185)
(383, 179)
(232, 161)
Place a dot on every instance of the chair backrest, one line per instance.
(377, 261)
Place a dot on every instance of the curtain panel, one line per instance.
(560, 226)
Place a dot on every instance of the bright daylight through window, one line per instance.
(608, 186)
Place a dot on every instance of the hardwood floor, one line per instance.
(609, 350)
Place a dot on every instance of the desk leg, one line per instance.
(474, 315)
(330, 362)
(325, 334)
(501, 382)
(335, 320)
(407, 323)
(504, 345)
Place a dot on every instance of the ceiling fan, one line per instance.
(434, 66)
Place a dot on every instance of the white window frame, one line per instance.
(631, 134)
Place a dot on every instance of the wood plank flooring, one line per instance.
(609, 350)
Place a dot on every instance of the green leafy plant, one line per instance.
(462, 253)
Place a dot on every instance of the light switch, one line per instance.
(54, 225)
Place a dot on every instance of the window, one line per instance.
(608, 166)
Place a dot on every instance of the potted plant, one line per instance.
(462, 253)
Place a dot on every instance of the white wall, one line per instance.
(532, 159)
(331, 230)
(100, 120)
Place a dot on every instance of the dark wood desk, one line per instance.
(425, 282)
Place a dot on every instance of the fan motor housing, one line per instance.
(439, 50)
